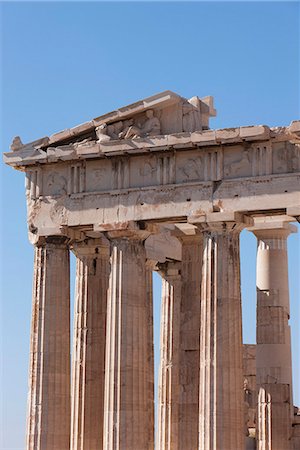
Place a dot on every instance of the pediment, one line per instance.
(161, 114)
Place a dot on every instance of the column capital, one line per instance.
(129, 235)
(221, 222)
(222, 227)
(91, 247)
(52, 241)
(269, 229)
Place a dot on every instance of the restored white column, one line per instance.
(128, 421)
(48, 425)
(273, 353)
(221, 415)
(89, 345)
(168, 384)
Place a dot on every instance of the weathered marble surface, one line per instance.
(128, 413)
(103, 192)
(221, 412)
(169, 194)
(73, 180)
(89, 344)
(48, 422)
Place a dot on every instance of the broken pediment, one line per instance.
(161, 114)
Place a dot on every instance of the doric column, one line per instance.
(128, 421)
(89, 345)
(221, 415)
(49, 378)
(189, 341)
(168, 384)
(149, 289)
(273, 353)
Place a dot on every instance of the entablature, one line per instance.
(156, 161)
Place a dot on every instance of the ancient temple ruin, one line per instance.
(151, 187)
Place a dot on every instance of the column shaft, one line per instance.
(150, 376)
(89, 346)
(128, 422)
(221, 424)
(189, 343)
(168, 387)
(49, 378)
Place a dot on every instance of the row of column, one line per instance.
(111, 400)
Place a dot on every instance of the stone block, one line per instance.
(60, 136)
(255, 133)
(64, 153)
(179, 138)
(228, 135)
(88, 151)
(25, 156)
(204, 138)
(82, 128)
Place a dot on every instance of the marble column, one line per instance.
(273, 353)
(186, 345)
(48, 426)
(151, 405)
(221, 410)
(168, 384)
(128, 415)
(89, 345)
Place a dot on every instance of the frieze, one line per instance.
(163, 168)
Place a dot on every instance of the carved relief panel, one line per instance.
(143, 171)
(237, 162)
(55, 181)
(286, 157)
(204, 165)
(98, 175)
(189, 167)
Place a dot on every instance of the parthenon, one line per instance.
(150, 187)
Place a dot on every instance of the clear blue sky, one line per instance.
(65, 63)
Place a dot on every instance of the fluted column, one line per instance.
(168, 384)
(150, 377)
(273, 353)
(128, 421)
(89, 345)
(48, 426)
(189, 342)
(221, 415)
